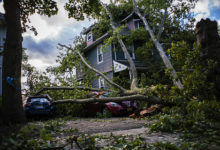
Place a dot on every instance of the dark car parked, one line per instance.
(39, 105)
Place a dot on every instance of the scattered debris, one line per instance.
(145, 112)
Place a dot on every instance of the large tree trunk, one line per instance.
(159, 47)
(12, 109)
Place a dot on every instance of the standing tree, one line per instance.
(12, 104)
(16, 17)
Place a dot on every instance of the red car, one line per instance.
(116, 109)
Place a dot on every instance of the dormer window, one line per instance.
(89, 37)
(99, 54)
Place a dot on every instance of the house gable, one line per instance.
(133, 21)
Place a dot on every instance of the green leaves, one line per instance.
(167, 123)
(79, 8)
(193, 70)
(42, 7)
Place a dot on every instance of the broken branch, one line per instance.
(162, 23)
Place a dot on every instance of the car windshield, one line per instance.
(38, 100)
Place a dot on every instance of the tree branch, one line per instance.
(162, 24)
(95, 70)
(71, 88)
(138, 97)
(159, 47)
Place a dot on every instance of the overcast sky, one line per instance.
(42, 49)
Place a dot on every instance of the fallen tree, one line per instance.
(138, 97)
(122, 90)
(134, 93)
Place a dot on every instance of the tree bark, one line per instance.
(12, 109)
(159, 47)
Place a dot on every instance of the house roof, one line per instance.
(99, 40)
(88, 29)
(125, 19)
(129, 16)
(133, 13)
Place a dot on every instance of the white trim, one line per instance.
(99, 53)
(114, 51)
(101, 82)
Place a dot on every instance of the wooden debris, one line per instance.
(145, 112)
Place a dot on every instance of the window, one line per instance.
(89, 36)
(137, 23)
(99, 54)
(131, 51)
(101, 82)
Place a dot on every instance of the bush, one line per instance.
(202, 110)
(168, 123)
